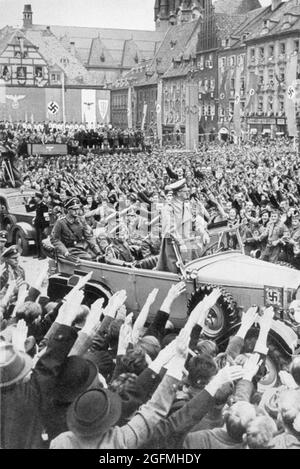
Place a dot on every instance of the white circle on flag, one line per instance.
(222, 96)
(158, 108)
(291, 92)
(53, 107)
(251, 92)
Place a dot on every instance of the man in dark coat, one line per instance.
(41, 220)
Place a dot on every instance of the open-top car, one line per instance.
(15, 220)
(245, 281)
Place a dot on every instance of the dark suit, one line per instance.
(40, 222)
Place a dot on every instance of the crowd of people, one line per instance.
(128, 197)
(74, 376)
(74, 135)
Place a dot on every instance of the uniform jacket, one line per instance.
(67, 234)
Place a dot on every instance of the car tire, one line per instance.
(223, 315)
(22, 243)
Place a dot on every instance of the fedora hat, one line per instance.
(76, 375)
(14, 365)
(94, 412)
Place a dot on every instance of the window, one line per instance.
(260, 105)
(21, 74)
(208, 110)
(281, 104)
(261, 80)
(252, 55)
(296, 46)
(232, 61)
(231, 108)
(232, 83)
(212, 84)
(271, 51)
(55, 78)
(282, 74)
(242, 90)
(282, 48)
(261, 52)
(270, 103)
(223, 62)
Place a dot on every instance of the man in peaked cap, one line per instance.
(176, 219)
(72, 236)
(12, 271)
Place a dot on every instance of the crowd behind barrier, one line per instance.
(78, 377)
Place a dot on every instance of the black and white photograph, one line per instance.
(149, 227)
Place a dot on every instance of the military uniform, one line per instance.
(74, 236)
(10, 272)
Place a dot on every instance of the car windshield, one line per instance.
(16, 203)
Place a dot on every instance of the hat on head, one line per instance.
(14, 365)
(72, 203)
(75, 376)
(3, 235)
(94, 412)
(10, 252)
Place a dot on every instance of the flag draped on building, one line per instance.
(144, 116)
(129, 107)
(88, 106)
(224, 91)
(252, 89)
(237, 101)
(159, 110)
(290, 108)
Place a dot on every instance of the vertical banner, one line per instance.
(129, 107)
(237, 101)
(2, 91)
(103, 106)
(290, 106)
(63, 99)
(252, 88)
(144, 116)
(192, 116)
(159, 110)
(88, 107)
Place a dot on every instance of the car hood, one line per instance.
(234, 268)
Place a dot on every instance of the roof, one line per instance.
(112, 39)
(56, 54)
(228, 24)
(278, 20)
(236, 7)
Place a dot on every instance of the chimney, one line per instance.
(275, 4)
(72, 48)
(27, 17)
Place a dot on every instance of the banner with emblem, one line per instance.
(159, 116)
(129, 107)
(88, 107)
(224, 91)
(252, 87)
(290, 107)
(237, 100)
(103, 106)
